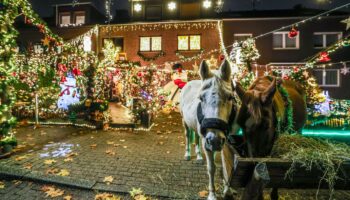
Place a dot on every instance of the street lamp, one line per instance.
(137, 7)
(172, 5)
(207, 4)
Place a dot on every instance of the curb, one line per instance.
(83, 184)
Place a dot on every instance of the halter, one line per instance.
(215, 123)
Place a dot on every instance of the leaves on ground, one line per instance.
(68, 159)
(122, 140)
(63, 172)
(106, 196)
(49, 162)
(110, 152)
(27, 166)
(19, 158)
(16, 182)
(51, 191)
(68, 197)
(2, 185)
(108, 180)
(72, 154)
(110, 142)
(203, 193)
(93, 146)
(135, 191)
(52, 171)
(125, 147)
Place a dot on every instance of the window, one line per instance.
(282, 41)
(325, 39)
(327, 77)
(150, 43)
(239, 37)
(65, 18)
(189, 42)
(79, 18)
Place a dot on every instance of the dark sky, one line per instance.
(44, 9)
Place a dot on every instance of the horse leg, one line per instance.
(198, 147)
(188, 142)
(228, 191)
(211, 171)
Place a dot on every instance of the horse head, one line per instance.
(255, 116)
(215, 111)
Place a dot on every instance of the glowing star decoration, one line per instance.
(347, 22)
(46, 41)
(213, 62)
(172, 5)
(345, 70)
(207, 4)
(137, 7)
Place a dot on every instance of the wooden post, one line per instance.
(260, 178)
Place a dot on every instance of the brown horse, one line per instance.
(263, 114)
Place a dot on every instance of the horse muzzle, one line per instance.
(213, 142)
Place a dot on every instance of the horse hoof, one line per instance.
(187, 158)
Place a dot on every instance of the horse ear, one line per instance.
(225, 71)
(268, 94)
(239, 90)
(204, 71)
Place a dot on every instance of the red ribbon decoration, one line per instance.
(179, 83)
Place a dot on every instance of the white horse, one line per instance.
(207, 108)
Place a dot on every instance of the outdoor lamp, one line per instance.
(207, 4)
(137, 7)
(172, 5)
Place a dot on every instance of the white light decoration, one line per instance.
(137, 7)
(172, 5)
(87, 43)
(207, 4)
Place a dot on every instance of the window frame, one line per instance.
(284, 41)
(241, 35)
(79, 13)
(189, 42)
(324, 37)
(324, 74)
(150, 44)
(61, 14)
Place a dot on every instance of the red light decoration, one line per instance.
(293, 33)
(324, 57)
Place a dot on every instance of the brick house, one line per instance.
(165, 31)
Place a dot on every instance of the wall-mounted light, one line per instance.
(207, 4)
(172, 5)
(137, 7)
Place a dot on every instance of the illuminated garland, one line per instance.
(189, 58)
(150, 58)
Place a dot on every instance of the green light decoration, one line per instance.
(325, 132)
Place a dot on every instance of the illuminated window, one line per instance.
(282, 41)
(186, 42)
(64, 18)
(150, 43)
(79, 17)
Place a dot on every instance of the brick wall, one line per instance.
(132, 33)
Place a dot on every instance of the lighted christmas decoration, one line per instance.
(293, 32)
(345, 70)
(69, 93)
(324, 57)
(347, 22)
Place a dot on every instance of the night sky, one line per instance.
(44, 9)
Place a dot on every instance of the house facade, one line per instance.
(160, 32)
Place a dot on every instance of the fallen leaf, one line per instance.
(135, 191)
(52, 171)
(68, 160)
(49, 162)
(106, 196)
(63, 172)
(28, 166)
(71, 155)
(168, 152)
(93, 146)
(140, 197)
(92, 137)
(2, 185)
(68, 197)
(125, 147)
(51, 142)
(110, 142)
(203, 194)
(16, 182)
(116, 145)
(108, 180)
(52, 191)
(20, 146)
(122, 140)
(160, 143)
(110, 152)
(43, 133)
(19, 158)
